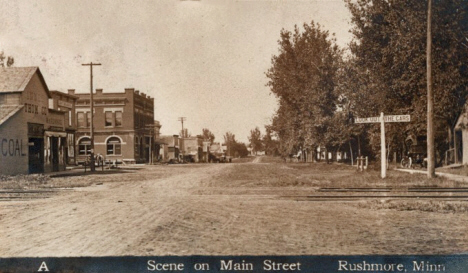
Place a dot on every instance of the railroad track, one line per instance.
(20, 195)
(385, 193)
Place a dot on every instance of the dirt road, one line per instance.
(185, 212)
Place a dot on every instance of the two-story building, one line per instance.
(123, 126)
(32, 136)
(65, 103)
(192, 148)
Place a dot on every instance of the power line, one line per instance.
(182, 119)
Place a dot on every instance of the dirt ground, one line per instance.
(206, 209)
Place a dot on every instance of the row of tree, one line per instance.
(321, 87)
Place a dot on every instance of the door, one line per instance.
(54, 151)
(36, 155)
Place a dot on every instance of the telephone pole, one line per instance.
(430, 97)
(91, 130)
(182, 119)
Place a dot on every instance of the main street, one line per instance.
(223, 209)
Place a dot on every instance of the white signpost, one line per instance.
(382, 119)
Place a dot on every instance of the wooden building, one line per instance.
(32, 136)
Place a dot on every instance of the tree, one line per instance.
(255, 140)
(239, 149)
(389, 47)
(185, 133)
(6, 60)
(303, 78)
(230, 141)
(270, 145)
(208, 135)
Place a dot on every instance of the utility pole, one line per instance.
(182, 119)
(430, 97)
(91, 131)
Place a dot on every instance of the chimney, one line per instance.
(71, 91)
(98, 91)
(129, 90)
(143, 95)
(137, 92)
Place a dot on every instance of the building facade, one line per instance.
(65, 103)
(170, 147)
(123, 126)
(32, 136)
(192, 148)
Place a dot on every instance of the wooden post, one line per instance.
(383, 153)
(430, 98)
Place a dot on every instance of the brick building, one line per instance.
(123, 126)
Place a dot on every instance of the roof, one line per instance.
(15, 79)
(7, 111)
(55, 92)
(462, 122)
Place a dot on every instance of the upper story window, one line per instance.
(88, 117)
(108, 118)
(118, 118)
(80, 116)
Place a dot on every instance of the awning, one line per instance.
(55, 134)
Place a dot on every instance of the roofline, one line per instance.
(63, 94)
(41, 78)
(12, 113)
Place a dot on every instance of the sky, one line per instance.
(203, 60)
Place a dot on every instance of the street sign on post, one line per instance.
(390, 118)
(382, 119)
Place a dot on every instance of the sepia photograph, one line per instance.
(186, 128)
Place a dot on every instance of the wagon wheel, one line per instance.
(406, 162)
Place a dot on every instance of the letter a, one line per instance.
(43, 267)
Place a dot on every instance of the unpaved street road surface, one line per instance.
(193, 210)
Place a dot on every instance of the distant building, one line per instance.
(192, 148)
(123, 126)
(33, 138)
(170, 149)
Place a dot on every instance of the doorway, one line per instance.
(36, 155)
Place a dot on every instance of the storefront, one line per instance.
(32, 136)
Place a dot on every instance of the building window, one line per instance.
(114, 146)
(84, 146)
(118, 118)
(137, 146)
(88, 115)
(69, 118)
(108, 121)
(81, 119)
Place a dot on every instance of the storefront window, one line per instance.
(84, 146)
(114, 146)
